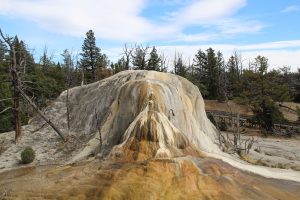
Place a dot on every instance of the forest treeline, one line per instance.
(252, 83)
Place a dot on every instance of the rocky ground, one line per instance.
(274, 152)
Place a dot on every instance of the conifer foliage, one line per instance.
(91, 57)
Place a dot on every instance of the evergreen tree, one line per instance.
(260, 93)
(120, 65)
(90, 56)
(24, 58)
(154, 61)
(221, 78)
(198, 73)
(200, 63)
(266, 114)
(233, 78)
(212, 74)
(179, 67)
(139, 57)
(3, 51)
(6, 118)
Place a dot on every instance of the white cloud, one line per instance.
(201, 12)
(122, 20)
(235, 26)
(110, 19)
(277, 58)
(196, 37)
(272, 45)
(289, 9)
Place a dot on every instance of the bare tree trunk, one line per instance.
(41, 114)
(16, 95)
(100, 137)
(127, 52)
(68, 111)
(238, 129)
(82, 77)
(18, 131)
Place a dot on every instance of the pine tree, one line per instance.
(46, 61)
(3, 50)
(221, 78)
(199, 72)
(296, 85)
(154, 61)
(212, 74)
(200, 63)
(139, 57)
(90, 56)
(261, 90)
(233, 78)
(179, 68)
(120, 65)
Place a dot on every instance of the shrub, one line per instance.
(298, 112)
(266, 113)
(223, 126)
(211, 118)
(27, 155)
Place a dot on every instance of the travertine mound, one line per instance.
(146, 114)
(151, 114)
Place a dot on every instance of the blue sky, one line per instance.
(266, 27)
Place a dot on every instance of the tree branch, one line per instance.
(41, 114)
(7, 99)
(6, 109)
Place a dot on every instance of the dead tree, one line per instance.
(127, 54)
(15, 81)
(68, 64)
(41, 113)
(164, 63)
(17, 91)
(288, 108)
(99, 126)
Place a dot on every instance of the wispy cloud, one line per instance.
(122, 20)
(205, 11)
(196, 37)
(289, 9)
(236, 26)
(272, 45)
